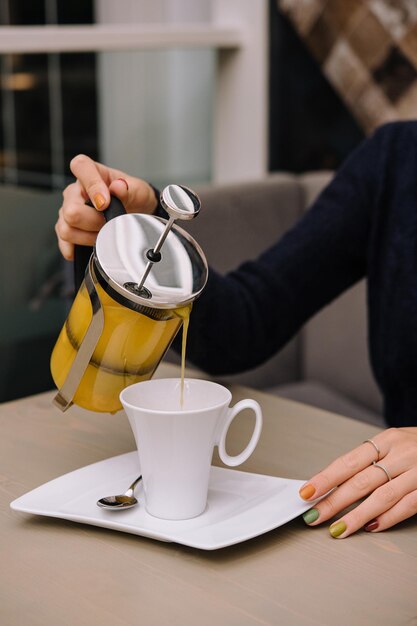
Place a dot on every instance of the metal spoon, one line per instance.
(122, 501)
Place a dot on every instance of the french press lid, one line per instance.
(144, 261)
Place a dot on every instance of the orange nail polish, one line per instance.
(99, 201)
(307, 491)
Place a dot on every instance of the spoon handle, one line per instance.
(131, 489)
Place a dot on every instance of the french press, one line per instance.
(131, 303)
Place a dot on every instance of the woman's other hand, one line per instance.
(390, 489)
(79, 223)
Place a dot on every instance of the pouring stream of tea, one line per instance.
(185, 325)
(184, 314)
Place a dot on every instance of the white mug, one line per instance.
(175, 441)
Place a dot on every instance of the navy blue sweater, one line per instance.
(363, 224)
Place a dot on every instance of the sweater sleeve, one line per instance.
(243, 318)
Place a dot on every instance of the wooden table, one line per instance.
(55, 573)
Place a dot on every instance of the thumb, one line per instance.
(135, 194)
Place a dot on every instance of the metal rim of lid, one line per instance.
(136, 302)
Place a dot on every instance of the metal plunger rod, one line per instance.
(155, 251)
(180, 203)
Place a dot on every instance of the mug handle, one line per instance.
(232, 461)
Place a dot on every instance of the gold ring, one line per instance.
(384, 469)
(378, 451)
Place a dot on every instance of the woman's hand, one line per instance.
(354, 476)
(79, 223)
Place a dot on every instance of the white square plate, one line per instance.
(240, 505)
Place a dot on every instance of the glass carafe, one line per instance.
(119, 326)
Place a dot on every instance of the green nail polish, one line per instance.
(311, 515)
(337, 529)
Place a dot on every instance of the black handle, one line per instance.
(82, 254)
(114, 209)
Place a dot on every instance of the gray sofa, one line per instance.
(31, 307)
(326, 365)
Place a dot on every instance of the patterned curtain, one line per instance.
(367, 49)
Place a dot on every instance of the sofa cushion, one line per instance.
(319, 395)
(312, 184)
(335, 349)
(245, 218)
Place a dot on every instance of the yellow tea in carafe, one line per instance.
(128, 351)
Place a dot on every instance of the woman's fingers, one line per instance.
(66, 249)
(99, 182)
(135, 194)
(68, 236)
(379, 502)
(339, 471)
(371, 480)
(357, 487)
(405, 508)
(88, 174)
(387, 486)
(78, 223)
(75, 213)
(388, 502)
